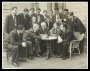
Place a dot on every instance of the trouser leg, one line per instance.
(29, 49)
(14, 52)
(65, 50)
(59, 49)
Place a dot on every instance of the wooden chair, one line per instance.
(74, 44)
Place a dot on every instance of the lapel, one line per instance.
(12, 18)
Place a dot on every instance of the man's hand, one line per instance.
(24, 44)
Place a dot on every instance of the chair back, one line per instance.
(75, 43)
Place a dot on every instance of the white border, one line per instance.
(45, 2)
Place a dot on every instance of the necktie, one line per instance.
(15, 20)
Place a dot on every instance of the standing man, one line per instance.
(40, 17)
(32, 12)
(56, 15)
(77, 26)
(65, 14)
(48, 22)
(33, 21)
(51, 14)
(11, 21)
(45, 14)
(24, 18)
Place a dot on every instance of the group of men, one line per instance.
(24, 29)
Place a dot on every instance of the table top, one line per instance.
(49, 38)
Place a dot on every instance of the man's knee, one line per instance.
(29, 43)
(15, 47)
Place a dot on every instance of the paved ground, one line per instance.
(77, 61)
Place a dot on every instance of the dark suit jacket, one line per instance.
(30, 35)
(14, 39)
(50, 24)
(66, 36)
(9, 23)
(54, 17)
(41, 19)
(76, 25)
(24, 21)
(46, 31)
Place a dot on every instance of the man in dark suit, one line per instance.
(51, 14)
(56, 14)
(77, 26)
(11, 21)
(48, 22)
(40, 17)
(24, 19)
(33, 21)
(16, 46)
(32, 13)
(45, 14)
(65, 14)
(63, 46)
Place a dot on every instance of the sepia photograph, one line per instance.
(45, 35)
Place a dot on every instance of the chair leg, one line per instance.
(7, 56)
(70, 52)
(78, 50)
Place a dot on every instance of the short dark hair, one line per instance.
(25, 10)
(13, 8)
(38, 9)
(71, 13)
(65, 10)
(56, 9)
(48, 17)
(44, 11)
(32, 9)
(51, 10)
(20, 27)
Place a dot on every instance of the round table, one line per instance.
(48, 40)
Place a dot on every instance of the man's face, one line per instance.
(32, 11)
(45, 13)
(48, 19)
(21, 31)
(55, 26)
(65, 12)
(62, 27)
(38, 11)
(33, 19)
(69, 16)
(51, 12)
(44, 26)
(56, 12)
(36, 27)
(14, 11)
(26, 13)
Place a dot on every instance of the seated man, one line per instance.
(54, 32)
(43, 30)
(16, 45)
(63, 46)
(33, 36)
